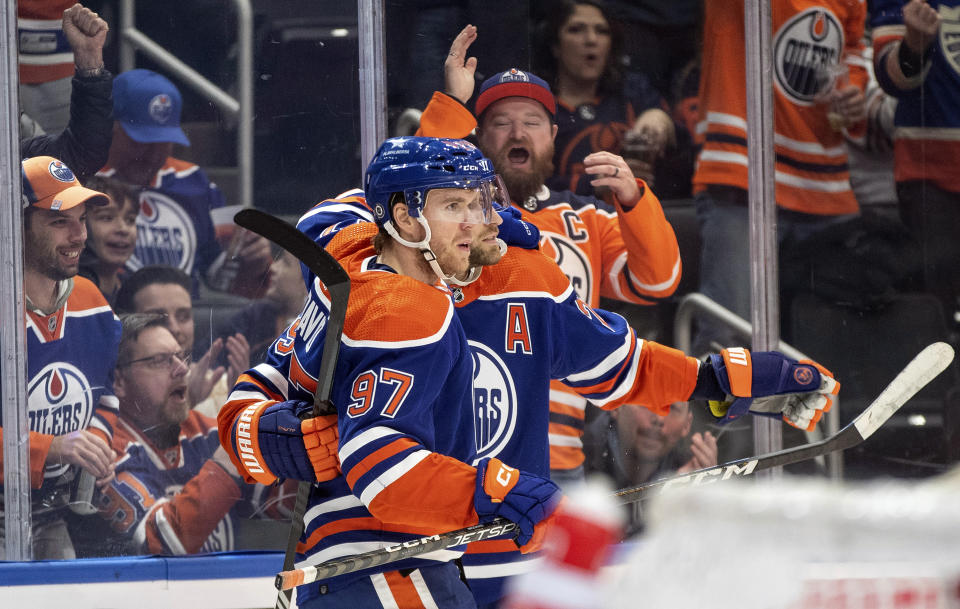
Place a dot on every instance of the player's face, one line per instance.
(286, 282)
(53, 241)
(455, 217)
(112, 231)
(172, 301)
(485, 249)
(152, 385)
(583, 45)
(517, 135)
(649, 435)
(135, 162)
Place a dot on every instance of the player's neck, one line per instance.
(407, 261)
(41, 290)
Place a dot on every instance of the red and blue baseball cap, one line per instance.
(49, 184)
(515, 83)
(148, 106)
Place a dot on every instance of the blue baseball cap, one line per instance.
(515, 83)
(148, 106)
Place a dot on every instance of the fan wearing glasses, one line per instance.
(168, 453)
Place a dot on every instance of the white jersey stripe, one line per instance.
(610, 362)
(416, 578)
(561, 440)
(392, 475)
(364, 438)
(334, 505)
(568, 399)
(502, 569)
(382, 588)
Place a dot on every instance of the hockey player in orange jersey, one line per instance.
(526, 325)
(402, 389)
(623, 248)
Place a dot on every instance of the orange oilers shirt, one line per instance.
(812, 175)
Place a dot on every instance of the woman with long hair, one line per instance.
(599, 106)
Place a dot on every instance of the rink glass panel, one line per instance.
(307, 147)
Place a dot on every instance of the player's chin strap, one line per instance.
(424, 246)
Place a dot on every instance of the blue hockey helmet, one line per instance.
(413, 166)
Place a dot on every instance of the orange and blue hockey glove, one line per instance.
(272, 442)
(766, 383)
(522, 498)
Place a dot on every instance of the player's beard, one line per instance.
(522, 184)
(485, 254)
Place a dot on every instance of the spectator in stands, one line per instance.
(578, 52)
(70, 399)
(916, 62)
(111, 236)
(633, 445)
(264, 319)
(175, 486)
(623, 249)
(174, 225)
(812, 179)
(84, 141)
(166, 290)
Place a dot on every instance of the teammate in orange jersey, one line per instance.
(623, 249)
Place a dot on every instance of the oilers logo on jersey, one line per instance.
(494, 401)
(59, 401)
(804, 47)
(571, 260)
(165, 234)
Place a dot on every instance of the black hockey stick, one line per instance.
(921, 370)
(326, 268)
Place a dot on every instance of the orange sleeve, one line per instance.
(193, 513)
(445, 116)
(653, 266)
(436, 494)
(39, 449)
(664, 375)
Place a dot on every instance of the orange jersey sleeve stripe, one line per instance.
(267, 391)
(444, 484)
(371, 460)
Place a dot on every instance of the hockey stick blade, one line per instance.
(325, 268)
(922, 369)
(331, 275)
(415, 547)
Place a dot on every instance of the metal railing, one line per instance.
(697, 305)
(239, 108)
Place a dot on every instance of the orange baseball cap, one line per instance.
(49, 184)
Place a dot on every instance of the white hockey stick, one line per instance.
(922, 369)
(930, 362)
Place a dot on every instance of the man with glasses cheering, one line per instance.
(175, 487)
